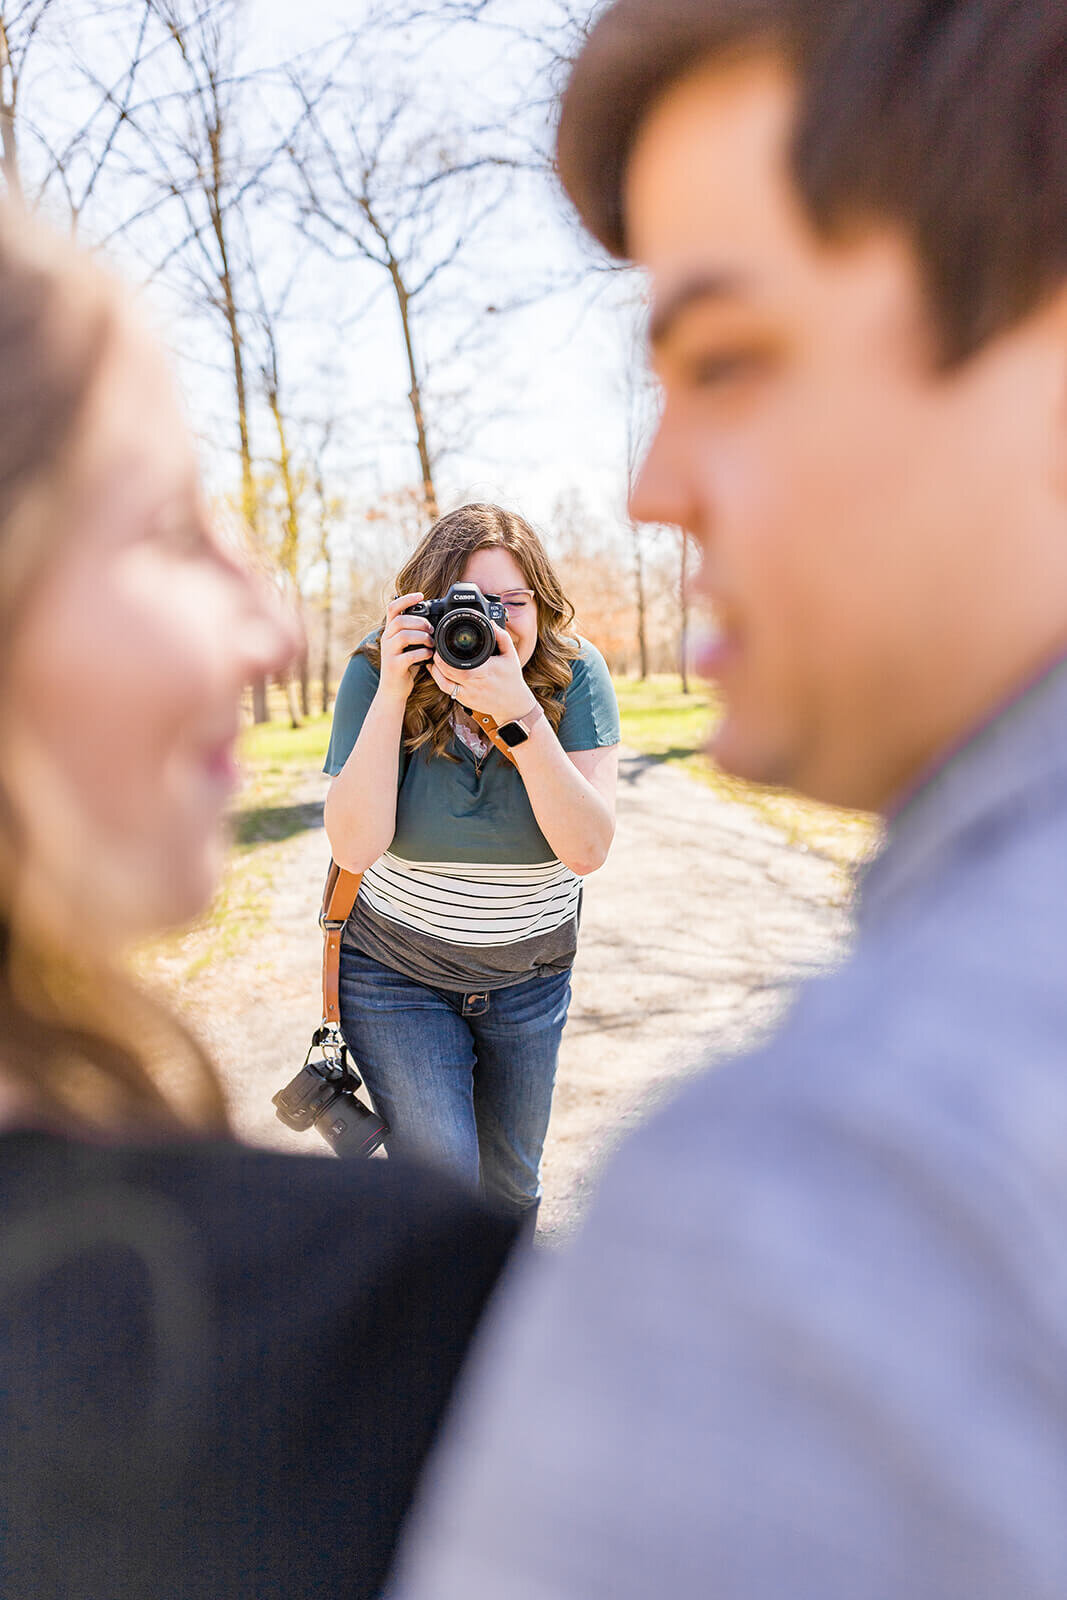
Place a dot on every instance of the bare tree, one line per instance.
(381, 183)
(75, 158)
(193, 159)
(206, 180)
(562, 26)
(327, 509)
(683, 587)
(639, 596)
(68, 40)
(289, 548)
(637, 396)
(18, 28)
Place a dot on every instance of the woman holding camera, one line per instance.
(220, 1368)
(456, 960)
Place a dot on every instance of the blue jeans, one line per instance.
(463, 1078)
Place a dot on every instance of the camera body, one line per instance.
(323, 1096)
(462, 622)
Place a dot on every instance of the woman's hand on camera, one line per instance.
(405, 644)
(497, 688)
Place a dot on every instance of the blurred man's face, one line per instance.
(881, 555)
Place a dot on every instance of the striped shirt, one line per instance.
(483, 904)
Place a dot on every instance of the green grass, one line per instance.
(276, 746)
(659, 720)
(274, 758)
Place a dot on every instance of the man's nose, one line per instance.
(660, 491)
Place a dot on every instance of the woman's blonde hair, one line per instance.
(79, 1043)
(436, 565)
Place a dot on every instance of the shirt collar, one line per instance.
(1018, 754)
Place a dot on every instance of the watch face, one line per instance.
(513, 733)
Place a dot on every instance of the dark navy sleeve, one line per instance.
(223, 1368)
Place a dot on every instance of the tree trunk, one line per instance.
(327, 609)
(295, 693)
(9, 159)
(327, 648)
(304, 668)
(429, 492)
(683, 651)
(639, 590)
(248, 482)
(289, 555)
(260, 706)
(291, 701)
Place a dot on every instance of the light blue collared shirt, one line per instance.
(811, 1343)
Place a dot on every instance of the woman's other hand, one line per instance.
(406, 643)
(497, 689)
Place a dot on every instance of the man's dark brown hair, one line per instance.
(947, 118)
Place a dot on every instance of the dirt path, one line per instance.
(692, 937)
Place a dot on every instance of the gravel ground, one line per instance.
(693, 936)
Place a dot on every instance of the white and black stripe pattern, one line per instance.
(466, 904)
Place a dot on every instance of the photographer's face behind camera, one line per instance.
(860, 511)
(126, 670)
(496, 571)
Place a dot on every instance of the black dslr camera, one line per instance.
(463, 624)
(323, 1096)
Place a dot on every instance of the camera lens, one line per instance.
(465, 639)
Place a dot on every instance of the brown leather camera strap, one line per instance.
(488, 727)
(339, 896)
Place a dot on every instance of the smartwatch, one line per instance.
(518, 732)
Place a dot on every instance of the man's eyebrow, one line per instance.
(704, 286)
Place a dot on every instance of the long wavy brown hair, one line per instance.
(80, 1044)
(435, 566)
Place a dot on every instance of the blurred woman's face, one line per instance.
(121, 703)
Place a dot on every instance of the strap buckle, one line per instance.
(330, 1042)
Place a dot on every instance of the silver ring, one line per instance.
(455, 690)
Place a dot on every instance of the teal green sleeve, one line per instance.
(591, 712)
(359, 685)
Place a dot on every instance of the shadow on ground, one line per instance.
(264, 823)
(631, 767)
